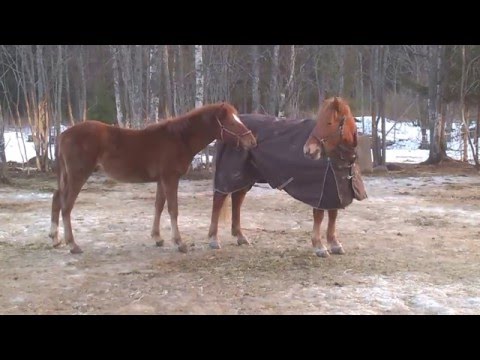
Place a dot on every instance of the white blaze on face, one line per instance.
(237, 119)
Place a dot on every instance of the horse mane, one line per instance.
(330, 105)
(178, 125)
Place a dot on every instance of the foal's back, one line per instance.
(124, 154)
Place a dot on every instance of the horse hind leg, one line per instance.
(159, 205)
(74, 187)
(57, 201)
(56, 207)
(76, 176)
(170, 186)
(237, 200)
(217, 208)
(336, 247)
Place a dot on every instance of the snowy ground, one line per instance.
(412, 248)
(405, 137)
(18, 149)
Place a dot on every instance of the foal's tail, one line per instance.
(226, 210)
(59, 165)
(55, 161)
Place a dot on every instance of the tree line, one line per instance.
(43, 86)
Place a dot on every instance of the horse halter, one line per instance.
(323, 140)
(238, 137)
(339, 130)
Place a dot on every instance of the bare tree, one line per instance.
(58, 94)
(3, 158)
(465, 124)
(137, 84)
(374, 74)
(198, 76)
(273, 93)
(199, 89)
(116, 85)
(83, 84)
(67, 87)
(169, 108)
(155, 74)
(255, 79)
(437, 152)
(287, 90)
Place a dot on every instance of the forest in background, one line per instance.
(44, 86)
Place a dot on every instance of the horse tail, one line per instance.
(55, 161)
(59, 165)
(226, 210)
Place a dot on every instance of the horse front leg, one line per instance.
(237, 200)
(217, 207)
(170, 185)
(319, 248)
(159, 205)
(335, 245)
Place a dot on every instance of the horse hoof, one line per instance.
(56, 244)
(159, 242)
(323, 253)
(183, 248)
(76, 250)
(243, 241)
(337, 250)
(215, 245)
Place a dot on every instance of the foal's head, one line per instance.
(231, 129)
(335, 130)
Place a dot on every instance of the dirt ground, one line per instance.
(412, 247)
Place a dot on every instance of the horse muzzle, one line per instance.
(312, 151)
(249, 142)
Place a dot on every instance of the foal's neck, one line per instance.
(201, 132)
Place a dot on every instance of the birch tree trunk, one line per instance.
(83, 85)
(374, 74)
(465, 122)
(362, 99)
(155, 82)
(67, 88)
(198, 76)
(116, 85)
(381, 99)
(341, 66)
(320, 83)
(58, 111)
(181, 91)
(273, 95)
(477, 134)
(199, 81)
(255, 79)
(132, 119)
(169, 111)
(137, 87)
(42, 124)
(3, 158)
(288, 87)
(436, 154)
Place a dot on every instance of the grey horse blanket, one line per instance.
(279, 161)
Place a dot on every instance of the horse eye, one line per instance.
(329, 123)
